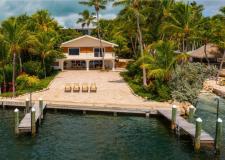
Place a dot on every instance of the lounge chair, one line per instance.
(68, 88)
(93, 87)
(85, 87)
(76, 87)
(222, 82)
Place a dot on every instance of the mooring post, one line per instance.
(218, 138)
(16, 112)
(147, 114)
(198, 129)
(174, 115)
(33, 123)
(41, 107)
(2, 105)
(27, 105)
(191, 112)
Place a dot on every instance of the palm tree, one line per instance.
(15, 37)
(183, 21)
(45, 46)
(86, 19)
(134, 6)
(98, 5)
(161, 64)
(42, 21)
(219, 33)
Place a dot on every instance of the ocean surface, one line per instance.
(71, 136)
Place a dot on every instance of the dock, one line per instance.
(25, 123)
(181, 123)
(188, 128)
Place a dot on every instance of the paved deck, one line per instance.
(112, 90)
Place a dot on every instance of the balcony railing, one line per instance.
(108, 55)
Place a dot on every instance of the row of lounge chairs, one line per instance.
(75, 87)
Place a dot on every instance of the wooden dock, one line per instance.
(25, 123)
(187, 127)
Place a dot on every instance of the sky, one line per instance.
(66, 12)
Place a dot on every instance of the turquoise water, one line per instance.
(70, 136)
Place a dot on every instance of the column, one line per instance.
(61, 65)
(87, 65)
(113, 65)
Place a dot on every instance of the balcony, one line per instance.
(89, 56)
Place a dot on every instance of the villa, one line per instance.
(84, 53)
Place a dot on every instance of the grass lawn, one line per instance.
(41, 85)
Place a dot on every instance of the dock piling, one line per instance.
(198, 128)
(174, 114)
(33, 122)
(41, 108)
(16, 112)
(191, 113)
(218, 137)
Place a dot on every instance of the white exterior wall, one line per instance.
(87, 41)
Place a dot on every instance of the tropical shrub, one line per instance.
(187, 81)
(8, 72)
(33, 68)
(25, 81)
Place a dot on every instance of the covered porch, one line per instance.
(86, 64)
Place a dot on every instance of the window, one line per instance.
(74, 51)
(98, 52)
(56, 64)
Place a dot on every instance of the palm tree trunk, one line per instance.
(4, 78)
(100, 40)
(221, 66)
(21, 65)
(206, 56)
(133, 46)
(14, 74)
(183, 44)
(142, 49)
(43, 61)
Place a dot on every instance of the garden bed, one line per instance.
(42, 84)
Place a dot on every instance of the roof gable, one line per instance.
(87, 41)
(212, 51)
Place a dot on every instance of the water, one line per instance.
(207, 110)
(69, 136)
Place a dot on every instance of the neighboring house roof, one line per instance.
(211, 49)
(87, 41)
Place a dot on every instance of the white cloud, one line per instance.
(67, 11)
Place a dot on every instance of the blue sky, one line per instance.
(67, 11)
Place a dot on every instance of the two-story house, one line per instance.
(84, 53)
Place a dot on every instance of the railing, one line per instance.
(109, 55)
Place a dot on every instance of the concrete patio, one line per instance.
(112, 90)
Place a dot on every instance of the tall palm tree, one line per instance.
(86, 19)
(42, 21)
(219, 33)
(45, 46)
(98, 5)
(135, 6)
(183, 21)
(15, 37)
